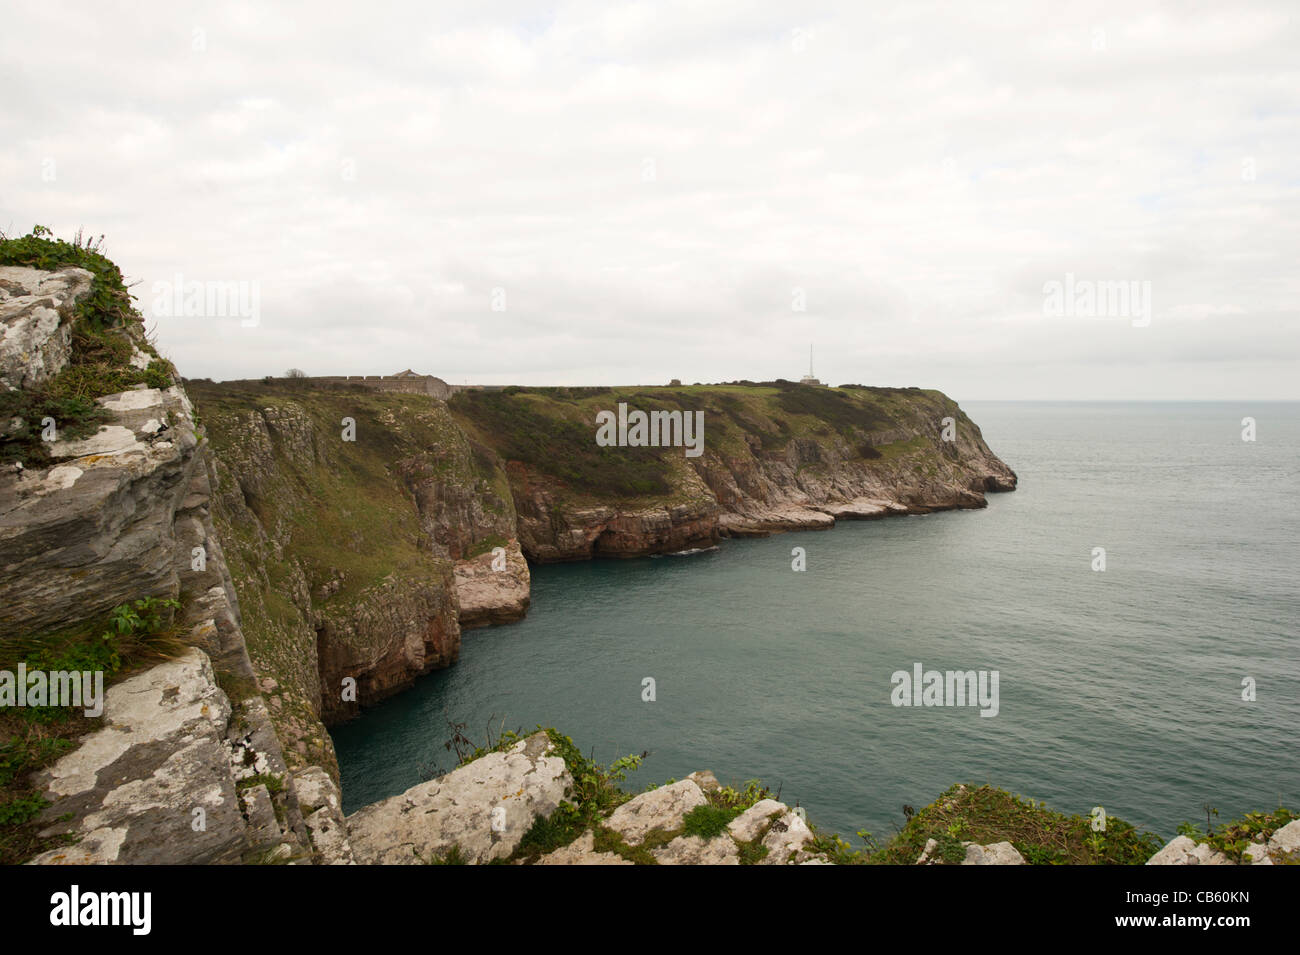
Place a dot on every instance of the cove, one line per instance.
(1119, 689)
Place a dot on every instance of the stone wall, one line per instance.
(429, 385)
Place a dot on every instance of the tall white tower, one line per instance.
(808, 379)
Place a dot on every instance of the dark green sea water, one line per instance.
(1120, 689)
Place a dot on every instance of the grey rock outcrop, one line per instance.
(1287, 839)
(321, 804)
(180, 770)
(663, 809)
(1184, 851)
(997, 853)
(1282, 846)
(483, 808)
(770, 832)
(36, 315)
(492, 590)
(99, 524)
(582, 851)
(157, 783)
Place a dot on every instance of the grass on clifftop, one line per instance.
(554, 440)
(106, 327)
(552, 430)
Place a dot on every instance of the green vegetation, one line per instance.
(752, 853)
(485, 545)
(1234, 838)
(554, 440)
(105, 331)
(726, 797)
(452, 856)
(708, 821)
(986, 815)
(551, 431)
(273, 783)
(607, 840)
(842, 410)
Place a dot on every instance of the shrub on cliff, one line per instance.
(986, 815)
(106, 331)
(108, 305)
(835, 408)
(539, 433)
(1235, 837)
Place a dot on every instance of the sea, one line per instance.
(1136, 597)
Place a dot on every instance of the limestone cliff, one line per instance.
(112, 508)
(344, 515)
(774, 457)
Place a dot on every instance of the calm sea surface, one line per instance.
(1121, 688)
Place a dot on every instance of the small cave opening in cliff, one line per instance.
(253, 502)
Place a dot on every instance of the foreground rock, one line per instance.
(768, 833)
(37, 310)
(1282, 846)
(321, 804)
(100, 523)
(483, 809)
(997, 853)
(660, 810)
(582, 851)
(167, 779)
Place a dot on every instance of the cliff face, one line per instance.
(774, 458)
(344, 515)
(184, 763)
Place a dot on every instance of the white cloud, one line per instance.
(648, 182)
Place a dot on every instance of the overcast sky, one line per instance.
(596, 193)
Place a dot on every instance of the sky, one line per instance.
(945, 196)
